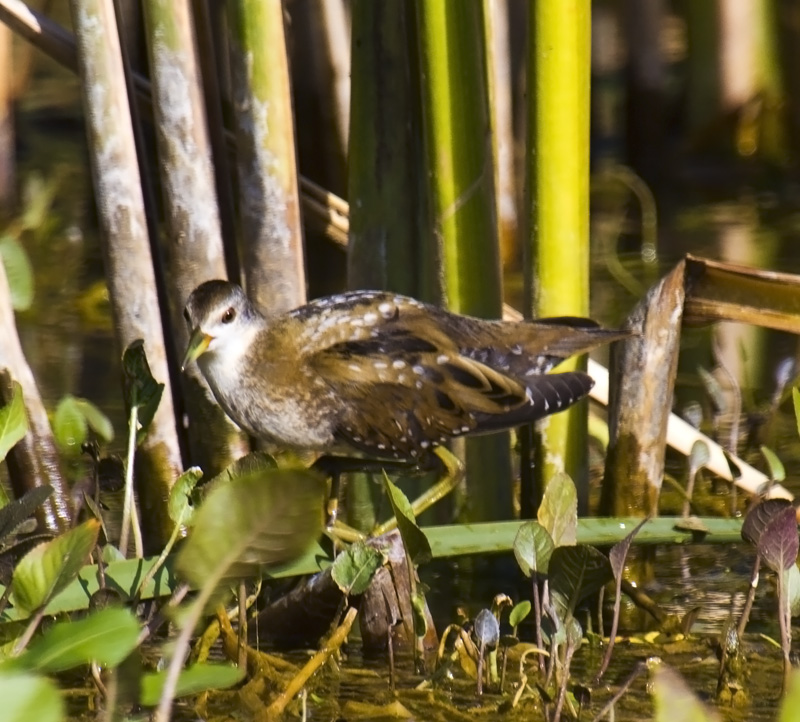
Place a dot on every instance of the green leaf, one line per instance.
(193, 680)
(533, 548)
(252, 522)
(180, 505)
(28, 697)
(18, 271)
(255, 462)
(558, 512)
(790, 707)
(796, 402)
(13, 421)
(354, 568)
(38, 196)
(776, 470)
(48, 568)
(791, 586)
(414, 540)
(106, 637)
(141, 389)
(519, 612)
(97, 420)
(674, 701)
(69, 425)
(16, 512)
(578, 571)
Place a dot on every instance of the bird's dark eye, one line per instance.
(229, 315)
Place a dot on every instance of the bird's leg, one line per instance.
(334, 466)
(450, 472)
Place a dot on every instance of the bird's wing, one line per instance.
(400, 393)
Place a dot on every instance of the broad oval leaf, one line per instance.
(414, 540)
(13, 421)
(791, 699)
(760, 516)
(106, 637)
(578, 571)
(18, 272)
(558, 513)
(777, 472)
(486, 629)
(354, 568)
(97, 420)
(141, 389)
(46, 569)
(180, 507)
(699, 455)
(519, 613)
(28, 697)
(671, 693)
(69, 425)
(778, 544)
(533, 547)
(791, 585)
(619, 551)
(255, 462)
(254, 521)
(198, 678)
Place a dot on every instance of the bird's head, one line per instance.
(220, 319)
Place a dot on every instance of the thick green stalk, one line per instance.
(383, 172)
(558, 209)
(457, 135)
(273, 262)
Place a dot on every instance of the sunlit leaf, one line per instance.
(354, 568)
(796, 402)
(250, 523)
(193, 680)
(533, 547)
(578, 571)
(141, 389)
(97, 420)
(414, 540)
(106, 637)
(519, 613)
(778, 544)
(558, 512)
(38, 196)
(486, 628)
(69, 425)
(619, 551)
(13, 421)
(699, 455)
(790, 706)
(26, 697)
(180, 507)
(19, 272)
(419, 613)
(791, 585)
(49, 567)
(674, 701)
(776, 469)
(253, 463)
(760, 516)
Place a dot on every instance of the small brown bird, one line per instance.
(380, 373)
